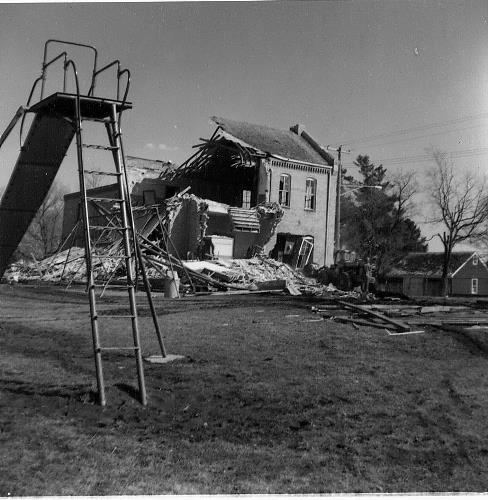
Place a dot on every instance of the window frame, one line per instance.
(246, 198)
(474, 286)
(284, 190)
(475, 260)
(311, 197)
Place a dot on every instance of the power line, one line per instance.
(415, 129)
(464, 153)
(444, 132)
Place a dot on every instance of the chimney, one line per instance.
(298, 129)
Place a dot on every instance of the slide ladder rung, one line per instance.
(99, 146)
(110, 228)
(116, 316)
(119, 348)
(101, 172)
(97, 198)
(109, 257)
(93, 119)
(104, 285)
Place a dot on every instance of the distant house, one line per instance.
(420, 274)
(245, 165)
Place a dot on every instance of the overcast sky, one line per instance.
(386, 78)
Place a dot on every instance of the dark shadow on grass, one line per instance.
(131, 391)
(57, 391)
(463, 336)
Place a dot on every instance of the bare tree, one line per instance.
(44, 233)
(460, 203)
(93, 181)
(404, 187)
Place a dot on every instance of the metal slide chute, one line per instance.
(40, 157)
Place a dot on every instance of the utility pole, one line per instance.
(337, 232)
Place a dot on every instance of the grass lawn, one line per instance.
(266, 401)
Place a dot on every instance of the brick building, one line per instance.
(244, 165)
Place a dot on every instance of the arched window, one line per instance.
(284, 190)
(310, 193)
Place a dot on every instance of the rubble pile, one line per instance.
(69, 265)
(254, 274)
(261, 269)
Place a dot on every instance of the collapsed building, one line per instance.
(251, 189)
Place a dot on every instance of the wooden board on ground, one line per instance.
(398, 324)
(362, 322)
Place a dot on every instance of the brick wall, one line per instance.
(318, 223)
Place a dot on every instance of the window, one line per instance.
(246, 199)
(149, 197)
(475, 260)
(284, 190)
(310, 193)
(474, 286)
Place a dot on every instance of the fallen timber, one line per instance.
(448, 318)
(356, 321)
(400, 325)
(149, 246)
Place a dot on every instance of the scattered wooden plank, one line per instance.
(362, 322)
(395, 307)
(398, 324)
(448, 321)
(238, 292)
(326, 308)
(403, 333)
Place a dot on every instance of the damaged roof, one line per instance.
(282, 143)
(428, 264)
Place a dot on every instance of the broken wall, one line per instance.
(191, 218)
(184, 225)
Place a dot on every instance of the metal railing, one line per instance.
(95, 73)
(46, 64)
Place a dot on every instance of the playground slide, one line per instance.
(40, 157)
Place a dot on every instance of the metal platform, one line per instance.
(91, 107)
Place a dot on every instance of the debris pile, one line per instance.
(172, 241)
(257, 273)
(403, 319)
(68, 265)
